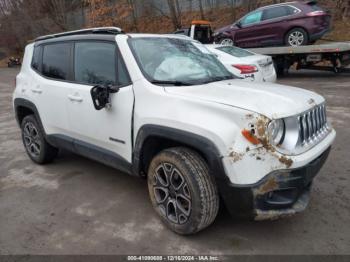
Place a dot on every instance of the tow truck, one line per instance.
(333, 57)
(200, 30)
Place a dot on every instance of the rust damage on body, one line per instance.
(269, 186)
(257, 128)
(275, 214)
(262, 215)
(236, 156)
(261, 131)
(286, 161)
(261, 126)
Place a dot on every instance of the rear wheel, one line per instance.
(34, 142)
(182, 191)
(296, 37)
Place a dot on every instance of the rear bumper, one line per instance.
(279, 194)
(317, 36)
(272, 78)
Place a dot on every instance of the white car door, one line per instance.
(50, 87)
(108, 130)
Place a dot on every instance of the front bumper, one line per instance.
(279, 194)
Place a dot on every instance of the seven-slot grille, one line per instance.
(313, 124)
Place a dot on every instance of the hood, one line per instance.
(271, 100)
(225, 29)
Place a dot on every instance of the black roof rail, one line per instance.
(96, 30)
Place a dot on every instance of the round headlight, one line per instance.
(276, 131)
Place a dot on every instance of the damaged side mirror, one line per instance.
(101, 95)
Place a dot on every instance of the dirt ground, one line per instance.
(77, 206)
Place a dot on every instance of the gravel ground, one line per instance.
(77, 206)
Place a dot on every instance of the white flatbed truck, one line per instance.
(333, 57)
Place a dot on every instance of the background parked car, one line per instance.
(13, 62)
(291, 24)
(245, 64)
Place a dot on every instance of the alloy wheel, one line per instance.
(172, 193)
(227, 42)
(32, 139)
(296, 38)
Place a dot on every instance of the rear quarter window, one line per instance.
(315, 7)
(36, 61)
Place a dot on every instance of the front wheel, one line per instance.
(182, 191)
(227, 42)
(296, 37)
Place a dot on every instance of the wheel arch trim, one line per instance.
(21, 102)
(195, 141)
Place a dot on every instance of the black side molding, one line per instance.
(91, 151)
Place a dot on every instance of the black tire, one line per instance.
(182, 191)
(34, 142)
(301, 37)
(226, 41)
(279, 68)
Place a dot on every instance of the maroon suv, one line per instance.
(292, 24)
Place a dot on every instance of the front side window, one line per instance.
(95, 63)
(171, 59)
(252, 18)
(235, 51)
(56, 60)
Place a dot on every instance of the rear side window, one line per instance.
(275, 12)
(56, 60)
(235, 51)
(97, 63)
(36, 58)
(292, 10)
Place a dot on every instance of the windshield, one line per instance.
(235, 51)
(177, 61)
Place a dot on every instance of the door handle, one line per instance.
(37, 90)
(75, 98)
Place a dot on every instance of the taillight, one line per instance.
(246, 69)
(316, 13)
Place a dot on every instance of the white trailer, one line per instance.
(333, 57)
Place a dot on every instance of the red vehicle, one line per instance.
(293, 24)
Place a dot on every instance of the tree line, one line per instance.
(22, 20)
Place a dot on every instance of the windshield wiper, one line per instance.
(218, 78)
(175, 83)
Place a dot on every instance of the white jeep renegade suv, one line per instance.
(163, 107)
